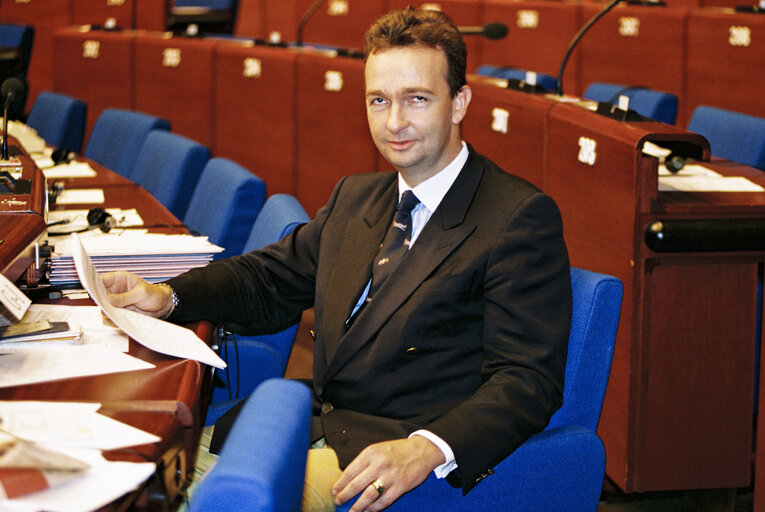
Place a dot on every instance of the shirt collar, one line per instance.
(431, 191)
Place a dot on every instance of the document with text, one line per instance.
(158, 335)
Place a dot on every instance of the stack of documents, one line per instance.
(153, 256)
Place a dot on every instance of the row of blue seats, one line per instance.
(215, 197)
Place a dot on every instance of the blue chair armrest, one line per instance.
(262, 464)
(538, 477)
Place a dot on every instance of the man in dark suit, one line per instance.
(458, 357)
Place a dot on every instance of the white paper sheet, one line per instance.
(70, 170)
(158, 335)
(72, 424)
(81, 196)
(31, 366)
(100, 485)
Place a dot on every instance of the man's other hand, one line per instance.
(399, 466)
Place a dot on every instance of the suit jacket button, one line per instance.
(411, 350)
(326, 407)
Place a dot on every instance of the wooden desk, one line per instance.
(678, 409)
(168, 400)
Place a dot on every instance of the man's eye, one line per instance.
(419, 99)
(377, 101)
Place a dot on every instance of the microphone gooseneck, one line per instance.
(307, 16)
(11, 90)
(577, 37)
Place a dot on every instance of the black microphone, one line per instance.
(11, 90)
(575, 41)
(307, 16)
(491, 31)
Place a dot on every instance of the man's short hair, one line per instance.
(419, 27)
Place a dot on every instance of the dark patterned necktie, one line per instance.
(396, 242)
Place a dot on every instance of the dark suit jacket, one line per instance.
(467, 338)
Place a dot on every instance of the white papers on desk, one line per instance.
(697, 178)
(32, 366)
(158, 335)
(153, 256)
(72, 424)
(100, 485)
(75, 220)
(88, 320)
(81, 196)
(70, 170)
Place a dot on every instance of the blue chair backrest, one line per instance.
(21, 37)
(597, 301)
(546, 81)
(657, 105)
(281, 213)
(169, 165)
(118, 135)
(262, 464)
(59, 119)
(731, 135)
(279, 216)
(226, 201)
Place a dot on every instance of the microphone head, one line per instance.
(12, 87)
(495, 30)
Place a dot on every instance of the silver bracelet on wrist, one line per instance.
(174, 299)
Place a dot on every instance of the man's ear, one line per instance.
(460, 104)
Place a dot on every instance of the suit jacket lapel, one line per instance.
(444, 232)
(354, 264)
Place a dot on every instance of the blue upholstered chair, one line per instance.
(21, 37)
(561, 468)
(546, 81)
(225, 203)
(117, 137)
(59, 119)
(169, 165)
(253, 359)
(262, 465)
(657, 105)
(731, 135)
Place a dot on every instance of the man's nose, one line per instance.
(396, 118)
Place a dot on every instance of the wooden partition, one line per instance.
(725, 62)
(509, 127)
(97, 67)
(636, 46)
(176, 82)
(255, 112)
(540, 33)
(97, 12)
(332, 132)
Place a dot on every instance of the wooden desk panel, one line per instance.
(96, 12)
(97, 67)
(176, 82)
(255, 112)
(509, 127)
(636, 46)
(332, 125)
(540, 33)
(677, 413)
(725, 69)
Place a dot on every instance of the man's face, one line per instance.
(413, 119)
